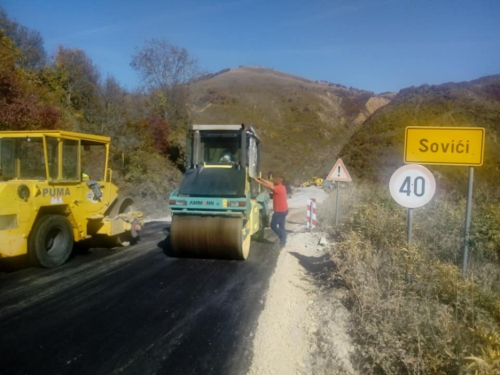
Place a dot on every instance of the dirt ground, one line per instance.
(303, 328)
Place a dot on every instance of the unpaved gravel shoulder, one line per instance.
(303, 328)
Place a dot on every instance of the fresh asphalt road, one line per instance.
(133, 311)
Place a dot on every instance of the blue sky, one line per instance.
(377, 45)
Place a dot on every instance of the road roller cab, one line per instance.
(218, 206)
(55, 189)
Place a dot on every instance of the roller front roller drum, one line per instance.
(209, 237)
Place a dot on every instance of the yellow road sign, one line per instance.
(444, 145)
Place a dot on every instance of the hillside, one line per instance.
(303, 124)
(376, 149)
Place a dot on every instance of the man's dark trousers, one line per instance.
(278, 225)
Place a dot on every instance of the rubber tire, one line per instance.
(56, 226)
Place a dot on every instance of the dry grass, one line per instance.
(413, 312)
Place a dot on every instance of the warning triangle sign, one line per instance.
(339, 172)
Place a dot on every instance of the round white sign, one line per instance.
(412, 186)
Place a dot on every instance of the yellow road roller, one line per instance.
(55, 190)
(218, 206)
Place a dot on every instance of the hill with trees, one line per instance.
(375, 151)
(303, 123)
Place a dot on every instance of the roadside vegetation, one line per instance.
(412, 310)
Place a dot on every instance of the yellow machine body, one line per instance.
(58, 173)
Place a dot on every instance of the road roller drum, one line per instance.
(209, 237)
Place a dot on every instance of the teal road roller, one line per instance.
(218, 206)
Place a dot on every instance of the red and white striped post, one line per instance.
(311, 213)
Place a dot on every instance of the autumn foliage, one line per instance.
(22, 104)
(159, 134)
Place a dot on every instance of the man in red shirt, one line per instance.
(280, 206)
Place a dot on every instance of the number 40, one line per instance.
(418, 186)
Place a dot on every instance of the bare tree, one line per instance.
(166, 70)
(116, 106)
(163, 65)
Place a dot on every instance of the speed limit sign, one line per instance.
(412, 186)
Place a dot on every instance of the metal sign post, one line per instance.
(337, 204)
(412, 186)
(410, 224)
(468, 213)
(338, 173)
